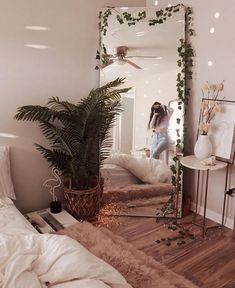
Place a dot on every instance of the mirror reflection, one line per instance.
(146, 56)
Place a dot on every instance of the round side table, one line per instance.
(193, 163)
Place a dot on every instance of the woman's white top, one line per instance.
(165, 120)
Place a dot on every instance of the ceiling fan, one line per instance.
(121, 57)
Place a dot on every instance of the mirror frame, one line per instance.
(185, 64)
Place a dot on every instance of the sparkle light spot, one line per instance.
(36, 46)
(210, 63)
(156, 3)
(36, 28)
(169, 5)
(212, 30)
(8, 135)
(217, 15)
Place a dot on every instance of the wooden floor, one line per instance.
(209, 262)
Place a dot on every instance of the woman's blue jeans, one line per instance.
(160, 142)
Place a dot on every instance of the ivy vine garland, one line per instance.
(185, 63)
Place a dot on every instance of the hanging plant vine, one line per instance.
(185, 64)
(161, 16)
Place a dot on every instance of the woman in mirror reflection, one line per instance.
(158, 123)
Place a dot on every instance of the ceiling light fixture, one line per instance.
(216, 15)
(121, 62)
(156, 3)
(140, 33)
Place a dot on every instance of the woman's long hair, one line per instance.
(161, 110)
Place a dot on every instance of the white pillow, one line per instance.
(5, 202)
(148, 170)
(6, 185)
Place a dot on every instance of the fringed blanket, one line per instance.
(136, 191)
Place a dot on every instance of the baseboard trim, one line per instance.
(213, 215)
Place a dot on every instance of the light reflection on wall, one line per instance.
(8, 135)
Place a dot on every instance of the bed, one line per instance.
(30, 259)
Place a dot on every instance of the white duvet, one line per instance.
(48, 260)
(148, 170)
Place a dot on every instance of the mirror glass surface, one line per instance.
(146, 56)
(154, 50)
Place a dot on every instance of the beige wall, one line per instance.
(219, 48)
(30, 76)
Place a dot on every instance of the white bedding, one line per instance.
(148, 170)
(30, 259)
(47, 260)
(12, 222)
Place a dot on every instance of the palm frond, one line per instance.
(78, 134)
(105, 147)
(54, 103)
(112, 84)
(59, 136)
(56, 158)
(34, 113)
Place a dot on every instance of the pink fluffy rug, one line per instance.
(140, 270)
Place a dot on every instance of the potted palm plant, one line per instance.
(79, 140)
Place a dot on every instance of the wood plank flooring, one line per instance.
(209, 262)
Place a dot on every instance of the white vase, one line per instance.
(203, 147)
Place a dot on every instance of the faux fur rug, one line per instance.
(135, 191)
(144, 202)
(140, 270)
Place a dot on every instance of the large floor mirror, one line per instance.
(146, 54)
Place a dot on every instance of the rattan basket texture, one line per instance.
(84, 204)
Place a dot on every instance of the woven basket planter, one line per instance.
(84, 204)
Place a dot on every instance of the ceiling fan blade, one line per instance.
(132, 64)
(107, 64)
